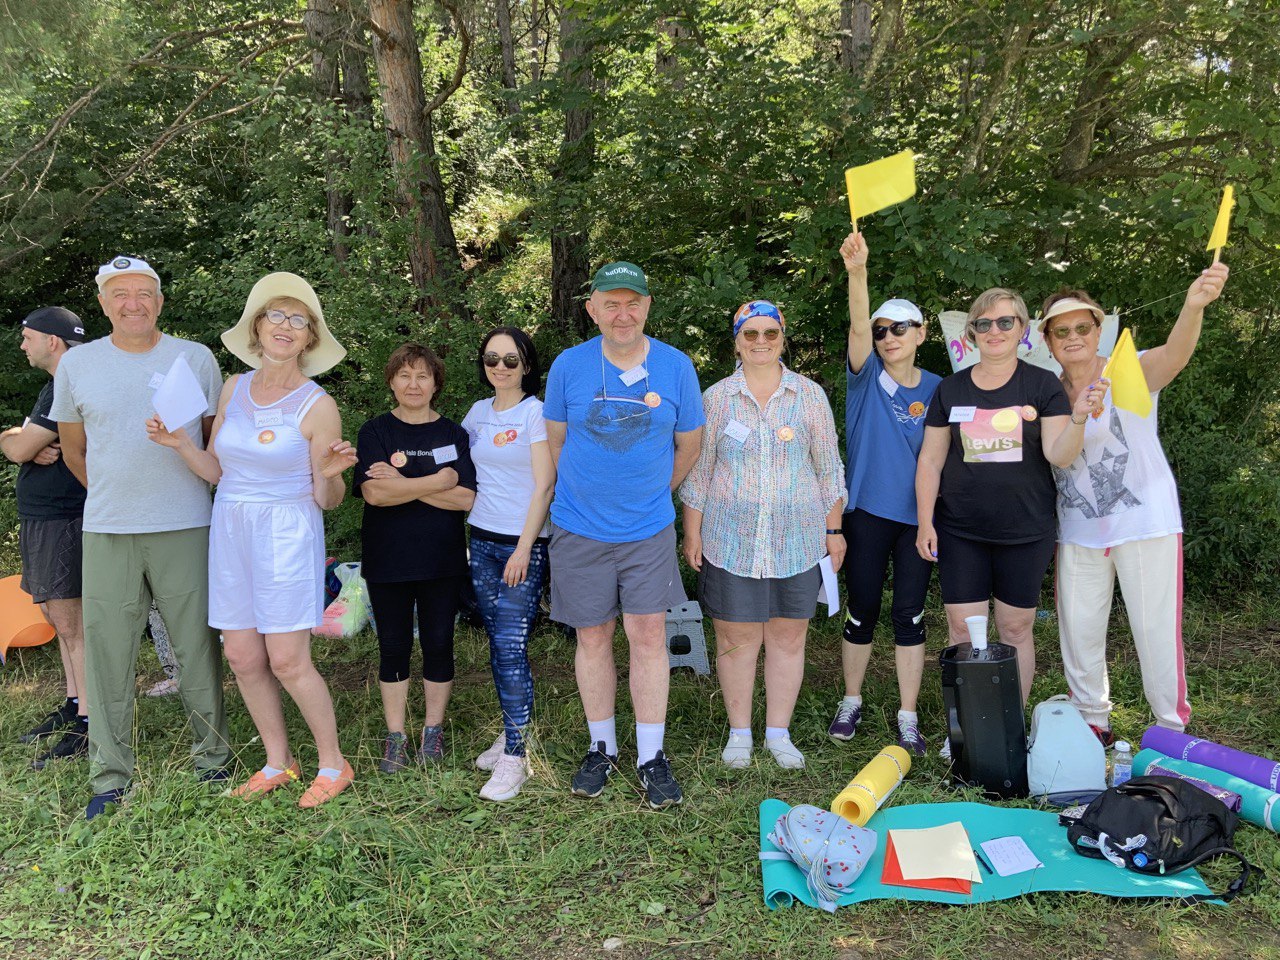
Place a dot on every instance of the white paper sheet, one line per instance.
(179, 399)
(829, 589)
(1010, 855)
(934, 852)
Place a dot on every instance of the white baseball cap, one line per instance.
(898, 311)
(119, 266)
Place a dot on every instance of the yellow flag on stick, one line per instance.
(1129, 389)
(1218, 239)
(882, 183)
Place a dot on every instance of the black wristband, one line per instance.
(832, 533)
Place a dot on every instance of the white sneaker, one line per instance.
(737, 752)
(945, 752)
(489, 759)
(509, 775)
(785, 753)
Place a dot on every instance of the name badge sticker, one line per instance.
(156, 380)
(445, 454)
(888, 384)
(634, 375)
(962, 414)
(268, 418)
(736, 430)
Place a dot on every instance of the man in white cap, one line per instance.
(146, 525)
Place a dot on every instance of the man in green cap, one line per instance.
(624, 420)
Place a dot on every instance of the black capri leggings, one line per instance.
(437, 602)
(973, 571)
(872, 541)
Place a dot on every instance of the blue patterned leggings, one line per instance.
(509, 613)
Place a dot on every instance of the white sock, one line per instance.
(606, 730)
(331, 773)
(744, 733)
(776, 733)
(648, 741)
(269, 771)
(853, 701)
(907, 716)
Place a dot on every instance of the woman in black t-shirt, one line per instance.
(417, 480)
(984, 487)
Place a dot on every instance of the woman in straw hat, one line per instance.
(277, 455)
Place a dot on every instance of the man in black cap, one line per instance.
(50, 508)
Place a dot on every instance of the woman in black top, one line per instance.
(417, 480)
(984, 487)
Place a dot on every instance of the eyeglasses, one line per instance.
(771, 334)
(296, 320)
(1081, 330)
(983, 324)
(898, 328)
(510, 361)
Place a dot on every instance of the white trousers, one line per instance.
(1150, 573)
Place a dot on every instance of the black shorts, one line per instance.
(971, 571)
(51, 556)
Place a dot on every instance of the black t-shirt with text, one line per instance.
(48, 492)
(997, 486)
(414, 540)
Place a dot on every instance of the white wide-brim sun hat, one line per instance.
(327, 352)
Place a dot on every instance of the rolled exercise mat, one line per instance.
(1232, 800)
(1258, 805)
(867, 792)
(22, 623)
(1247, 766)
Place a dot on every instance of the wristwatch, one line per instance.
(832, 533)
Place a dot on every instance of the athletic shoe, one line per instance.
(60, 719)
(163, 688)
(431, 749)
(395, 753)
(73, 745)
(509, 775)
(594, 772)
(101, 802)
(489, 759)
(785, 753)
(945, 752)
(737, 752)
(846, 722)
(660, 786)
(1104, 735)
(260, 783)
(213, 775)
(909, 738)
(323, 789)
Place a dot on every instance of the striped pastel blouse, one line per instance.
(766, 478)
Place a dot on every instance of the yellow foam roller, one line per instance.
(868, 791)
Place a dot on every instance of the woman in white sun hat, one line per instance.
(277, 456)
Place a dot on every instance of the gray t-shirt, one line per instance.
(135, 486)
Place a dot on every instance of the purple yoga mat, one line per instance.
(1232, 800)
(1246, 766)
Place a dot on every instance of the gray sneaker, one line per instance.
(432, 747)
(845, 725)
(395, 753)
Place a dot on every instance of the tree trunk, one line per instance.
(535, 42)
(357, 94)
(1011, 53)
(670, 34)
(855, 34)
(570, 264)
(324, 34)
(507, 44)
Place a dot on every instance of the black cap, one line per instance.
(57, 321)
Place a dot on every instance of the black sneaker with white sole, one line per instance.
(73, 745)
(60, 719)
(660, 787)
(594, 772)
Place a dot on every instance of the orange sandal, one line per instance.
(260, 783)
(323, 789)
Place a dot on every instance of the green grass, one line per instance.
(418, 866)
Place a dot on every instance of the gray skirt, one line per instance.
(726, 596)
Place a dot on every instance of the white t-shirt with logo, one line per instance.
(500, 449)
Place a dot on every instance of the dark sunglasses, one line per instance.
(898, 328)
(510, 361)
(983, 324)
(772, 334)
(1081, 330)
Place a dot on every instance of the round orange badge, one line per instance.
(652, 399)
(1029, 413)
(398, 459)
(916, 409)
(786, 434)
(499, 439)
(266, 436)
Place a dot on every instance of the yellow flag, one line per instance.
(882, 183)
(1129, 389)
(1218, 239)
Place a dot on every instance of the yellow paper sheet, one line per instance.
(1129, 390)
(934, 852)
(868, 791)
(1218, 239)
(882, 183)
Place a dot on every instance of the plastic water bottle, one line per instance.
(1121, 763)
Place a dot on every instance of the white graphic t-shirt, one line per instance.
(500, 442)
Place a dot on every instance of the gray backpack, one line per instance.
(1066, 763)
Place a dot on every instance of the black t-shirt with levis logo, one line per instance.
(997, 486)
(414, 540)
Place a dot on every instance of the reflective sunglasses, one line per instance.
(983, 324)
(1081, 330)
(771, 334)
(296, 320)
(510, 361)
(898, 328)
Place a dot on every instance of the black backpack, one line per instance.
(1159, 825)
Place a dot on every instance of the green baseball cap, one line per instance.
(614, 276)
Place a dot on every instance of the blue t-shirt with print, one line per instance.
(883, 431)
(613, 482)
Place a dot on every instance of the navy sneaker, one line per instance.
(845, 725)
(60, 719)
(395, 753)
(660, 787)
(597, 766)
(431, 749)
(909, 738)
(213, 775)
(102, 802)
(73, 745)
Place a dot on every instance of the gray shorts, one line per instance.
(591, 581)
(51, 555)
(734, 599)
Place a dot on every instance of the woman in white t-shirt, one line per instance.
(1118, 515)
(514, 479)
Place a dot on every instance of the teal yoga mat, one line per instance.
(1063, 869)
(1258, 805)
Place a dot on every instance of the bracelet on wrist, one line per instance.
(835, 533)
(1079, 423)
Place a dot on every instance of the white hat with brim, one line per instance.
(898, 310)
(327, 352)
(1070, 305)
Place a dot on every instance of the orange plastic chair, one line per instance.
(22, 622)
